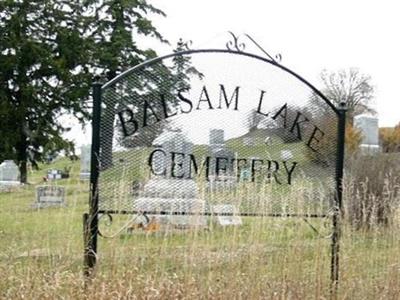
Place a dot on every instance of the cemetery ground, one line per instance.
(41, 255)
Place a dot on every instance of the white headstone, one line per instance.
(54, 174)
(177, 211)
(171, 141)
(225, 156)
(167, 194)
(170, 188)
(248, 141)
(85, 162)
(245, 174)
(9, 174)
(227, 214)
(221, 176)
(217, 136)
(368, 125)
(286, 154)
(49, 195)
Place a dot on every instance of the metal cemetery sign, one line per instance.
(182, 133)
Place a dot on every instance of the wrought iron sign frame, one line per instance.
(237, 47)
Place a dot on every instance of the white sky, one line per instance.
(311, 35)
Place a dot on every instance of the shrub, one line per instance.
(390, 138)
(372, 189)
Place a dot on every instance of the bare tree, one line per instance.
(349, 86)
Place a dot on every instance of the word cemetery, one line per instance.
(280, 171)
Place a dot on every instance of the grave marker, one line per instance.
(49, 196)
(286, 154)
(168, 191)
(9, 171)
(55, 174)
(9, 175)
(227, 214)
(248, 141)
(217, 136)
(85, 162)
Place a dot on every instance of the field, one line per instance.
(41, 256)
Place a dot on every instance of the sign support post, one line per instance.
(338, 199)
(91, 220)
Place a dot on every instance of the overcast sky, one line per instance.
(311, 35)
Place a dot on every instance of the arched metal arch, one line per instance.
(188, 52)
(91, 219)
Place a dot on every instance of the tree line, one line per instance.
(50, 51)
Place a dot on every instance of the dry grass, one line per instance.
(41, 257)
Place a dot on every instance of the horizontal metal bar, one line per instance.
(177, 213)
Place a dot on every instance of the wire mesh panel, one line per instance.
(201, 129)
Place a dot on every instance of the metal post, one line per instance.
(341, 129)
(92, 219)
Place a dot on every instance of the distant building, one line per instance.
(368, 125)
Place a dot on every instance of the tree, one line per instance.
(183, 68)
(281, 120)
(41, 76)
(151, 83)
(114, 25)
(349, 86)
(353, 137)
(328, 145)
(390, 139)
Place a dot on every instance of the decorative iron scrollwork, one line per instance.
(182, 45)
(236, 44)
(188, 44)
(109, 222)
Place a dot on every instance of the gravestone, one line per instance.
(217, 137)
(9, 175)
(286, 154)
(227, 214)
(222, 174)
(49, 196)
(368, 126)
(219, 149)
(248, 141)
(171, 143)
(165, 192)
(85, 162)
(245, 174)
(220, 161)
(54, 174)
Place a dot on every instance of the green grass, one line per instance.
(41, 256)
